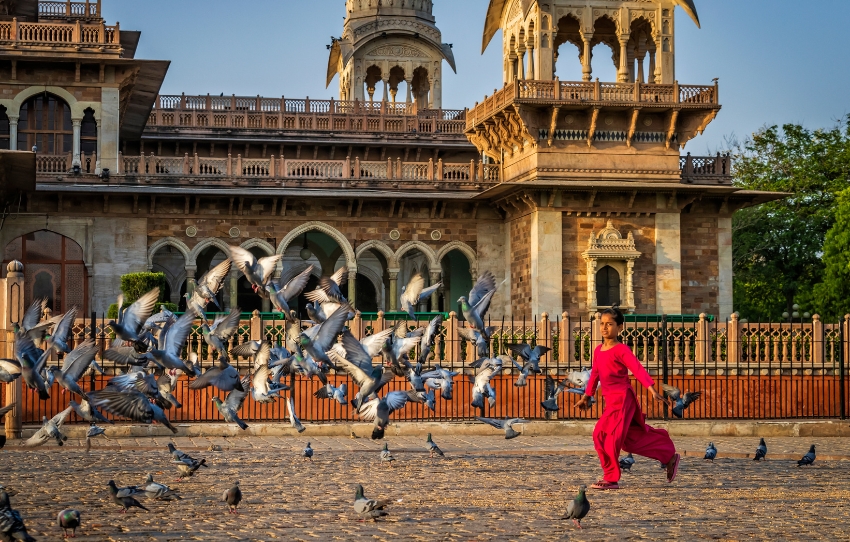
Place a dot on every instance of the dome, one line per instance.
(15, 267)
(360, 8)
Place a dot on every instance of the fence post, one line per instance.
(665, 370)
(544, 336)
(702, 341)
(566, 345)
(817, 342)
(451, 336)
(357, 325)
(733, 341)
(13, 309)
(842, 356)
(256, 326)
(380, 322)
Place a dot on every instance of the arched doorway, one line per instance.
(170, 261)
(607, 287)
(206, 260)
(54, 268)
(373, 281)
(315, 248)
(457, 280)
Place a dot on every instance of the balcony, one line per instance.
(249, 113)
(67, 39)
(58, 10)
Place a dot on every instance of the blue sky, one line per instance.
(777, 63)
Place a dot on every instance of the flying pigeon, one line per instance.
(426, 342)
(807, 459)
(481, 386)
(74, 366)
(69, 520)
(293, 418)
(480, 340)
(283, 294)
(130, 319)
(627, 462)
(223, 376)
(230, 407)
(761, 451)
(414, 292)
(329, 287)
(50, 429)
(386, 455)
(530, 355)
(233, 497)
(124, 498)
(680, 401)
(441, 379)
(475, 306)
(578, 508)
(433, 448)
(188, 468)
(319, 339)
(357, 362)
(330, 392)
(552, 391)
(58, 339)
(222, 329)
(263, 390)
(307, 453)
(210, 284)
(710, 452)
(579, 379)
(10, 370)
(371, 508)
(506, 425)
(258, 272)
(132, 404)
(379, 410)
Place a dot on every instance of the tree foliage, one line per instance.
(832, 295)
(777, 247)
(135, 285)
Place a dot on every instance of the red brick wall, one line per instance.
(700, 266)
(521, 267)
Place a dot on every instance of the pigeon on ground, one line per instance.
(414, 292)
(681, 401)
(710, 452)
(371, 508)
(807, 459)
(124, 498)
(761, 451)
(160, 492)
(130, 319)
(578, 508)
(506, 425)
(386, 455)
(293, 418)
(328, 391)
(3, 412)
(379, 410)
(552, 391)
(69, 520)
(627, 462)
(531, 356)
(133, 405)
(476, 305)
(283, 294)
(233, 497)
(210, 284)
(433, 448)
(258, 272)
(50, 429)
(307, 453)
(223, 376)
(11, 523)
(180, 457)
(230, 407)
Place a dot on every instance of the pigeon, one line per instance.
(92, 432)
(87, 412)
(506, 424)
(181, 457)
(415, 292)
(371, 508)
(29, 358)
(219, 333)
(210, 284)
(173, 339)
(11, 523)
(306, 365)
(426, 342)
(31, 326)
(579, 379)
(74, 366)
(386, 455)
(578, 508)
(357, 362)
(167, 385)
(3, 412)
(135, 381)
(441, 379)
(188, 468)
(398, 345)
(317, 340)
(329, 287)
(10, 370)
(233, 497)
(807, 459)
(522, 379)
(130, 319)
(131, 404)
(69, 520)
(258, 272)
(761, 451)
(379, 410)
(330, 392)
(552, 391)
(433, 448)
(307, 453)
(231, 405)
(531, 356)
(627, 462)
(124, 498)
(283, 294)
(157, 491)
(481, 386)
(680, 401)
(262, 390)
(50, 429)
(476, 305)
(710, 452)
(58, 338)
(430, 400)
(293, 418)
(223, 376)
(323, 306)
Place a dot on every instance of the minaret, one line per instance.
(390, 50)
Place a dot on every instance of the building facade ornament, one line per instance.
(608, 248)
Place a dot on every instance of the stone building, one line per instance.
(573, 194)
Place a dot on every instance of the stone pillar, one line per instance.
(547, 282)
(234, 298)
(13, 132)
(190, 279)
(409, 85)
(529, 72)
(386, 81)
(266, 305)
(586, 68)
(393, 273)
(623, 72)
(668, 264)
(591, 285)
(435, 297)
(12, 308)
(108, 124)
(76, 142)
(521, 64)
(652, 76)
(630, 285)
(352, 286)
(724, 267)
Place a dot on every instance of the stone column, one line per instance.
(190, 279)
(76, 142)
(591, 284)
(13, 132)
(234, 298)
(13, 312)
(393, 289)
(352, 286)
(668, 264)
(386, 81)
(435, 297)
(547, 282)
(652, 76)
(586, 69)
(630, 286)
(724, 266)
(521, 64)
(623, 72)
(108, 125)
(530, 68)
(409, 84)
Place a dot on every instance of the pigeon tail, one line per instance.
(242, 425)
(377, 433)
(550, 404)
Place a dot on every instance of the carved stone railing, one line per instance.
(706, 169)
(58, 9)
(258, 113)
(591, 92)
(78, 37)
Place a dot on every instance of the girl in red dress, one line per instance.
(623, 425)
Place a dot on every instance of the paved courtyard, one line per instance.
(485, 489)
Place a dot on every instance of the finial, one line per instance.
(15, 267)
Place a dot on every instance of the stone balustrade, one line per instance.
(57, 9)
(76, 36)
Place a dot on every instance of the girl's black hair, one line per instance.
(615, 313)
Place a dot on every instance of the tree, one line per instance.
(777, 246)
(831, 298)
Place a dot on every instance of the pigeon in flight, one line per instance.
(50, 429)
(578, 508)
(230, 407)
(379, 410)
(551, 392)
(475, 306)
(414, 292)
(131, 404)
(3, 412)
(258, 272)
(761, 451)
(209, 285)
(681, 401)
(328, 391)
(283, 294)
(530, 355)
(293, 418)
(130, 320)
(506, 425)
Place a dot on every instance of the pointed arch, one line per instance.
(262, 244)
(204, 244)
(430, 255)
(172, 242)
(381, 247)
(336, 235)
(463, 248)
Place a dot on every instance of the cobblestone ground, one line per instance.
(485, 488)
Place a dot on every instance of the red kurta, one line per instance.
(623, 425)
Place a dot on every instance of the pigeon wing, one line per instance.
(522, 350)
(358, 374)
(413, 290)
(485, 283)
(178, 333)
(235, 399)
(214, 278)
(396, 400)
(268, 265)
(671, 391)
(77, 362)
(498, 424)
(296, 285)
(226, 326)
(340, 276)
(127, 404)
(63, 328)
(243, 259)
(375, 342)
(137, 313)
(330, 328)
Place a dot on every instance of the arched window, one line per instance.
(53, 268)
(607, 287)
(45, 123)
(88, 132)
(4, 129)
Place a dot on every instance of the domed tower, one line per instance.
(387, 43)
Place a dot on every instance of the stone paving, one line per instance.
(486, 488)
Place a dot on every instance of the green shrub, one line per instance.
(135, 285)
